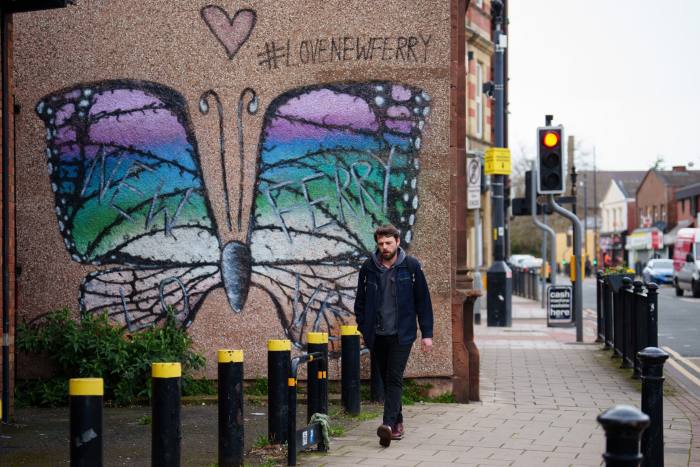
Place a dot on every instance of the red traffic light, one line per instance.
(550, 139)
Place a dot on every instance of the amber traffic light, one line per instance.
(550, 160)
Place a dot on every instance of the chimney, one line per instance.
(678, 168)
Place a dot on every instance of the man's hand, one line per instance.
(426, 344)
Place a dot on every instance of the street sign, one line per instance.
(559, 304)
(473, 182)
(497, 161)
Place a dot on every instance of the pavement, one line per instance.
(540, 395)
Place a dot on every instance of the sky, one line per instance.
(622, 76)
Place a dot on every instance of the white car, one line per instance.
(525, 261)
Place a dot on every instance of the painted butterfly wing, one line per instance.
(336, 161)
(126, 176)
(128, 190)
(138, 298)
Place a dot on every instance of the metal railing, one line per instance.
(526, 282)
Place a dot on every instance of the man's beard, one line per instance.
(390, 254)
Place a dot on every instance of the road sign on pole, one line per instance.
(473, 182)
(497, 161)
(559, 305)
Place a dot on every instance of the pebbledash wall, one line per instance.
(230, 161)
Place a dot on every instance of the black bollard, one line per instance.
(278, 364)
(652, 360)
(85, 421)
(652, 315)
(165, 414)
(317, 375)
(350, 369)
(230, 408)
(623, 424)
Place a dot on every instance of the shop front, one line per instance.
(644, 244)
(612, 248)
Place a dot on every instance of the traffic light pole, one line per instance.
(546, 230)
(499, 276)
(578, 285)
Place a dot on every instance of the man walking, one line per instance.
(392, 294)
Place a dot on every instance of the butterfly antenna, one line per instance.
(204, 109)
(252, 109)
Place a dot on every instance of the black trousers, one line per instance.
(391, 360)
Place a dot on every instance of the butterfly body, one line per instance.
(235, 273)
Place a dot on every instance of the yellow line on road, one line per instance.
(680, 368)
(678, 356)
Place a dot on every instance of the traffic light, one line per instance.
(550, 160)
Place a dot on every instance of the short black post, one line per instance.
(623, 424)
(291, 421)
(278, 365)
(607, 314)
(639, 309)
(85, 395)
(317, 375)
(350, 369)
(600, 330)
(230, 384)
(652, 360)
(652, 315)
(626, 293)
(165, 411)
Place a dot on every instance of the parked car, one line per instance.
(659, 271)
(686, 262)
(525, 261)
(518, 260)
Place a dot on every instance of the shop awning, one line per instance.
(647, 238)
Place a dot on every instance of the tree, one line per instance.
(659, 163)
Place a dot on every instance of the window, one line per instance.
(479, 100)
(663, 212)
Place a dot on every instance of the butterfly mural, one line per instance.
(335, 160)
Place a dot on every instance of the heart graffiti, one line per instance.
(230, 32)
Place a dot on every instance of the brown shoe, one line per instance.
(384, 433)
(397, 431)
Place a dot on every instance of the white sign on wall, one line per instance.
(473, 182)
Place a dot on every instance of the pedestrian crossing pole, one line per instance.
(499, 276)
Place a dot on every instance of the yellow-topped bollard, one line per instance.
(231, 430)
(85, 400)
(278, 369)
(350, 369)
(317, 375)
(165, 414)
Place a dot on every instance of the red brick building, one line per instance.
(656, 206)
(687, 204)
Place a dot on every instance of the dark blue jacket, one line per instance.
(412, 295)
